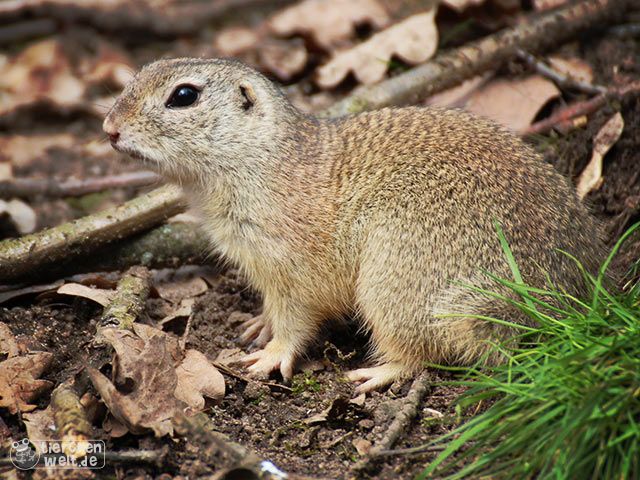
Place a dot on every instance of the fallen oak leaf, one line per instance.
(98, 295)
(198, 378)
(497, 98)
(20, 383)
(21, 215)
(574, 68)
(146, 380)
(40, 73)
(413, 40)
(146, 389)
(591, 177)
(328, 22)
(461, 5)
(8, 343)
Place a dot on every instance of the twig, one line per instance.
(562, 119)
(31, 187)
(400, 423)
(562, 80)
(175, 18)
(129, 300)
(198, 429)
(232, 373)
(27, 255)
(412, 450)
(21, 31)
(453, 67)
(155, 457)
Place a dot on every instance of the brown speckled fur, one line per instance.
(380, 213)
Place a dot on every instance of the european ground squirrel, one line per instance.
(382, 215)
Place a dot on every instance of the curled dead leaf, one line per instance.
(574, 68)
(513, 103)
(198, 378)
(461, 5)
(328, 22)
(591, 177)
(20, 383)
(413, 40)
(98, 295)
(21, 215)
(152, 380)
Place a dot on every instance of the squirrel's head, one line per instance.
(186, 116)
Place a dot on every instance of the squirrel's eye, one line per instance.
(183, 96)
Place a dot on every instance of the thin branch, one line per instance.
(129, 299)
(32, 187)
(452, 67)
(563, 119)
(30, 254)
(400, 423)
(560, 79)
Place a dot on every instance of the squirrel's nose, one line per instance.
(113, 137)
(111, 130)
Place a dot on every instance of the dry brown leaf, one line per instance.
(575, 68)
(40, 73)
(547, 4)
(6, 169)
(591, 177)
(183, 310)
(513, 103)
(461, 5)
(362, 446)
(146, 369)
(8, 343)
(230, 356)
(148, 363)
(284, 59)
(198, 378)
(328, 22)
(20, 383)
(178, 289)
(21, 215)
(457, 96)
(233, 41)
(40, 425)
(21, 150)
(414, 40)
(18, 292)
(110, 67)
(98, 295)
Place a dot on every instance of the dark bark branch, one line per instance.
(451, 68)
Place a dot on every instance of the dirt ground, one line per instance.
(280, 424)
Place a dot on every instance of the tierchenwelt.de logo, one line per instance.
(84, 454)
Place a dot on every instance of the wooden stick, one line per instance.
(28, 255)
(451, 68)
(129, 300)
(400, 423)
(32, 187)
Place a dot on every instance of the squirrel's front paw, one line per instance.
(272, 357)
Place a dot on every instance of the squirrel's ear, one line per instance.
(249, 96)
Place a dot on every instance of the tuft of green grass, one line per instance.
(566, 402)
